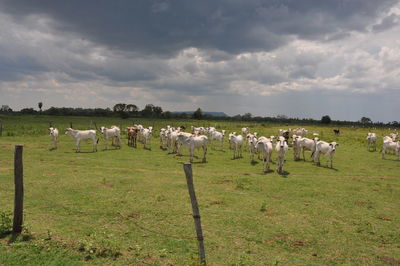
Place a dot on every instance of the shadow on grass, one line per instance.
(116, 149)
(193, 163)
(254, 162)
(284, 173)
(12, 238)
(74, 151)
(267, 172)
(5, 234)
(327, 167)
(202, 162)
(393, 160)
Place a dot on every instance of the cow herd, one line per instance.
(175, 139)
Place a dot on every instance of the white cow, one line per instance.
(281, 147)
(296, 147)
(210, 131)
(327, 149)
(300, 132)
(251, 142)
(79, 135)
(217, 136)
(264, 148)
(198, 130)
(236, 141)
(394, 136)
(147, 134)
(113, 133)
(54, 137)
(245, 131)
(140, 133)
(306, 144)
(371, 141)
(389, 144)
(173, 143)
(193, 142)
(164, 138)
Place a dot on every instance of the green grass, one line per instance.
(131, 206)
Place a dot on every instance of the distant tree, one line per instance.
(167, 115)
(237, 117)
(119, 107)
(40, 105)
(157, 111)
(365, 120)
(132, 109)
(326, 119)
(148, 110)
(28, 111)
(247, 116)
(198, 114)
(5, 108)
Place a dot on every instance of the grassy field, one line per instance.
(131, 206)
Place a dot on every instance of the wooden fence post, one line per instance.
(187, 167)
(19, 190)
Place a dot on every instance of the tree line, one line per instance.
(151, 111)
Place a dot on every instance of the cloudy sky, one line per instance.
(300, 58)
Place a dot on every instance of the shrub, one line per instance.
(5, 223)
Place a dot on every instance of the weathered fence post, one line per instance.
(19, 190)
(187, 167)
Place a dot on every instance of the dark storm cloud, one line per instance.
(264, 57)
(164, 28)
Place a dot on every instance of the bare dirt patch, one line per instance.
(134, 215)
(390, 260)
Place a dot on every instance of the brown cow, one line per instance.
(132, 135)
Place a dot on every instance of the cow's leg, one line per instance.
(78, 145)
(191, 154)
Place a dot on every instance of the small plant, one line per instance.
(99, 246)
(160, 198)
(163, 253)
(263, 207)
(5, 223)
(49, 235)
(243, 183)
(26, 233)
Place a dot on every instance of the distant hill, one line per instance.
(217, 114)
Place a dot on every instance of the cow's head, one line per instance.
(281, 141)
(333, 145)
